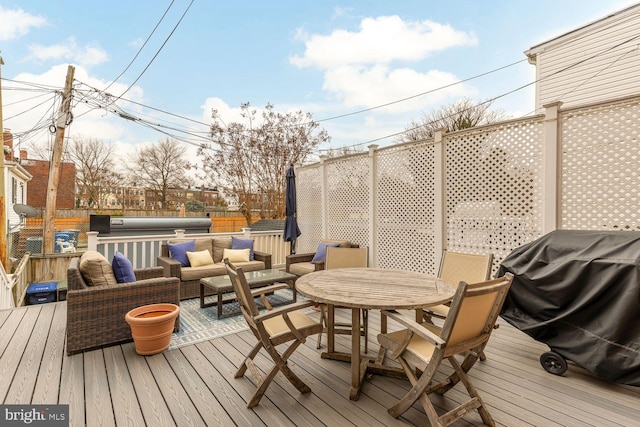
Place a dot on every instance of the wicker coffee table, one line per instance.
(221, 285)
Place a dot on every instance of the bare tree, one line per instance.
(343, 151)
(159, 167)
(39, 149)
(251, 159)
(94, 168)
(462, 114)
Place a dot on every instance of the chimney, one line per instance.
(23, 154)
(7, 138)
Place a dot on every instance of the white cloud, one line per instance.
(137, 43)
(234, 114)
(88, 55)
(226, 113)
(16, 22)
(358, 69)
(379, 41)
(339, 11)
(378, 85)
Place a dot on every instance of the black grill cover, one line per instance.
(579, 293)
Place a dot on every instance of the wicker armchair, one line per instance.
(95, 314)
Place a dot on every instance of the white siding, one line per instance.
(598, 62)
(21, 178)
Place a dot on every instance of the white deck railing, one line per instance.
(13, 284)
(142, 251)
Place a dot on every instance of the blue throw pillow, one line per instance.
(321, 253)
(122, 269)
(243, 244)
(178, 251)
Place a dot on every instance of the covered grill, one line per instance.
(140, 226)
(579, 293)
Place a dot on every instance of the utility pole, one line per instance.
(55, 166)
(3, 212)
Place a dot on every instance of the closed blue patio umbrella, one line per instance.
(291, 230)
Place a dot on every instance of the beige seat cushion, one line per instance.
(302, 268)
(250, 265)
(217, 269)
(96, 270)
(277, 325)
(197, 273)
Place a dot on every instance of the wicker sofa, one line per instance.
(95, 314)
(300, 264)
(190, 276)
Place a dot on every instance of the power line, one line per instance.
(158, 52)
(30, 108)
(97, 91)
(26, 99)
(420, 94)
(562, 70)
(141, 47)
(123, 114)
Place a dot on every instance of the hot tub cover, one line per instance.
(579, 292)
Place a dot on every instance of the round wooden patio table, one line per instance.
(374, 289)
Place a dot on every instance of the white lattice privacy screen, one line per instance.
(308, 191)
(488, 189)
(405, 207)
(494, 188)
(347, 198)
(601, 165)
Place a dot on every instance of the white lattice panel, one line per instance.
(406, 206)
(348, 199)
(308, 189)
(494, 188)
(601, 168)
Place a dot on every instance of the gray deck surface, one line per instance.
(194, 385)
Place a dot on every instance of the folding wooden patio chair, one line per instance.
(345, 258)
(456, 267)
(421, 348)
(272, 329)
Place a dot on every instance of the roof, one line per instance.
(612, 17)
(268, 225)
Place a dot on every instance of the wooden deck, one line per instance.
(194, 385)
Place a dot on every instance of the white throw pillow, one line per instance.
(199, 258)
(236, 255)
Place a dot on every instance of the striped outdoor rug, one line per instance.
(202, 324)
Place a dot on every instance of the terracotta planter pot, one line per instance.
(152, 326)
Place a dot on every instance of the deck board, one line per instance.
(99, 406)
(121, 386)
(20, 328)
(72, 388)
(150, 399)
(48, 379)
(220, 398)
(194, 385)
(25, 376)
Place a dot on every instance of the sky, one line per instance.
(363, 69)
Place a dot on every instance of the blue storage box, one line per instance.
(42, 292)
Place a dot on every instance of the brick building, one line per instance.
(39, 170)
(176, 197)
